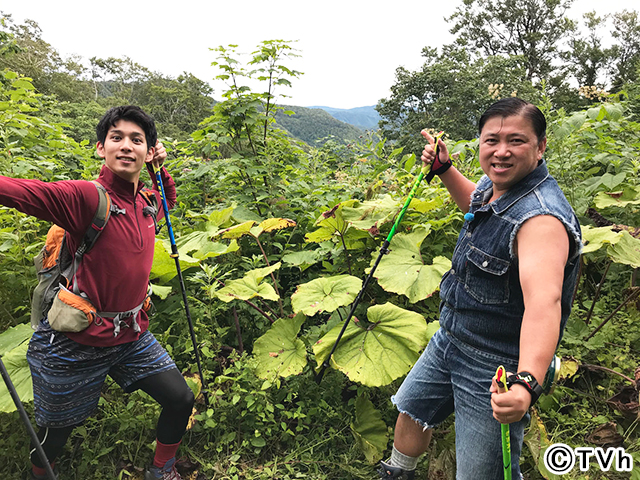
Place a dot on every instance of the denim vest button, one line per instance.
(485, 263)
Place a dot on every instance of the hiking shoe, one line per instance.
(386, 471)
(168, 472)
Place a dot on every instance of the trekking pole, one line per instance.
(175, 255)
(383, 250)
(501, 380)
(26, 421)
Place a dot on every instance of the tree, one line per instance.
(626, 30)
(533, 29)
(587, 56)
(33, 57)
(449, 93)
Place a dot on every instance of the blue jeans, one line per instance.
(451, 376)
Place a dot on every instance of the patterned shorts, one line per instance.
(68, 376)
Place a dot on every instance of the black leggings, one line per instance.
(167, 388)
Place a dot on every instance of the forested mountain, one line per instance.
(313, 125)
(365, 118)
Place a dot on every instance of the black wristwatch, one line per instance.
(529, 382)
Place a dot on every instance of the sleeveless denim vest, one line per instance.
(481, 297)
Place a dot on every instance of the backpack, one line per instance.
(56, 266)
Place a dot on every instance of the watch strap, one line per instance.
(529, 382)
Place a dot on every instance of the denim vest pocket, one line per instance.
(487, 280)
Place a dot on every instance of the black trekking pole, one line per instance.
(175, 256)
(383, 250)
(26, 421)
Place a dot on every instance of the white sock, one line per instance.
(405, 462)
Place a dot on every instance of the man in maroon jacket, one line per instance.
(68, 369)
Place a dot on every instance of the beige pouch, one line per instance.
(70, 312)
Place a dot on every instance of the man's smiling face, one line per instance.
(509, 151)
(125, 150)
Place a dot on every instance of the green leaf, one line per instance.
(161, 292)
(215, 249)
(325, 294)
(220, 217)
(15, 361)
(250, 286)
(280, 352)
(371, 213)
(403, 270)
(237, 231)
(164, 267)
(594, 238)
(302, 259)
(369, 430)
(14, 337)
(537, 440)
(626, 250)
(377, 354)
(628, 196)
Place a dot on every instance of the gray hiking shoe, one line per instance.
(386, 471)
(168, 472)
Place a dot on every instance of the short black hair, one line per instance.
(131, 113)
(510, 106)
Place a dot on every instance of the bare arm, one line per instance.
(460, 187)
(543, 249)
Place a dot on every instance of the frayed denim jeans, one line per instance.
(452, 376)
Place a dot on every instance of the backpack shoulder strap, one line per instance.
(152, 205)
(100, 219)
(149, 197)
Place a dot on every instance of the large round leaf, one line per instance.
(626, 251)
(303, 259)
(164, 267)
(369, 430)
(237, 231)
(371, 213)
(325, 294)
(377, 354)
(595, 238)
(14, 336)
(403, 270)
(280, 352)
(16, 364)
(249, 286)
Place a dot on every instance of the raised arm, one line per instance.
(460, 187)
(69, 204)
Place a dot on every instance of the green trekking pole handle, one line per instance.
(501, 380)
(383, 251)
(175, 256)
(25, 419)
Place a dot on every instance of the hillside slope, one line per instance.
(365, 118)
(315, 126)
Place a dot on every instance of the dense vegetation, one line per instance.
(275, 236)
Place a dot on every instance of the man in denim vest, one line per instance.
(505, 300)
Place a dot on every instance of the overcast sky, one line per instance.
(350, 48)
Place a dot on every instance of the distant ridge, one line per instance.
(365, 118)
(316, 126)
